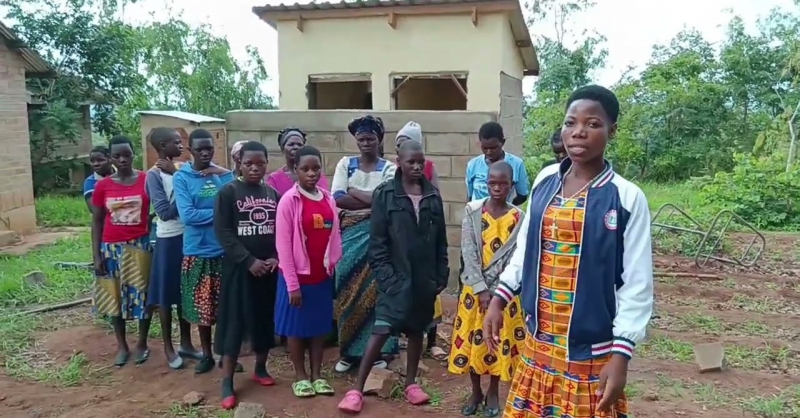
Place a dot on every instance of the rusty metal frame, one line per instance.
(701, 257)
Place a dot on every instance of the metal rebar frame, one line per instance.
(748, 258)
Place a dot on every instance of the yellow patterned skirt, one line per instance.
(546, 386)
(123, 291)
(469, 352)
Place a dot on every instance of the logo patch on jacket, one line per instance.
(611, 220)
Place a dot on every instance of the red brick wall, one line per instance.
(17, 211)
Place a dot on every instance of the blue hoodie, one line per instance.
(195, 196)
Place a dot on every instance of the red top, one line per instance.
(428, 170)
(126, 209)
(317, 221)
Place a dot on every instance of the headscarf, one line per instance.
(286, 133)
(412, 130)
(236, 150)
(367, 124)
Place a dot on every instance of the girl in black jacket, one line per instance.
(408, 256)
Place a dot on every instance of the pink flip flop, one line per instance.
(416, 396)
(352, 403)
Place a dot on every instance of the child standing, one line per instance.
(488, 238)
(309, 246)
(100, 159)
(408, 257)
(165, 274)
(244, 222)
(196, 187)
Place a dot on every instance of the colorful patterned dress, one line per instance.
(469, 352)
(546, 384)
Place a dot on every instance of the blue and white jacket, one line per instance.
(615, 265)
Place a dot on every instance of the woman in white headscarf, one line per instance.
(236, 157)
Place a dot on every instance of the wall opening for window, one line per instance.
(340, 91)
(430, 92)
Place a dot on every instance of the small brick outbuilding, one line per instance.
(17, 62)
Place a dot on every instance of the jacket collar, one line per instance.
(601, 180)
(397, 183)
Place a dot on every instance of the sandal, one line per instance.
(303, 389)
(141, 356)
(352, 403)
(176, 364)
(438, 354)
(321, 387)
(190, 354)
(204, 366)
(470, 409)
(416, 396)
(122, 358)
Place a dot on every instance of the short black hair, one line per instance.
(410, 145)
(606, 98)
(119, 140)
(502, 165)
(253, 146)
(306, 151)
(100, 149)
(199, 133)
(159, 135)
(491, 130)
(555, 139)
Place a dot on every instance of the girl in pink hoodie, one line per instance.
(309, 246)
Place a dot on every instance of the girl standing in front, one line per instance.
(488, 238)
(584, 269)
(244, 222)
(309, 246)
(408, 256)
(353, 183)
(121, 249)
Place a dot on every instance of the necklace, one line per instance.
(553, 228)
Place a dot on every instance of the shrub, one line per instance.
(759, 190)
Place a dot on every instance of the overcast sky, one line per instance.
(632, 27)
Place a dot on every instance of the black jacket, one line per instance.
(408, 257)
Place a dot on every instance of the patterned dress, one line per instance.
(469, 352)
(546, 384)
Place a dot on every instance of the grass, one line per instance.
(736, 356)
(61, 211)
(61, 285)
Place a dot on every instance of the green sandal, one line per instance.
(303, 389)
(321, 387)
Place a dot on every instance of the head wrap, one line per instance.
(367, 124)
(236, 150)
(286, 133)
(412, 130)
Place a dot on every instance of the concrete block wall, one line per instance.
(450, 139)
(17, 209)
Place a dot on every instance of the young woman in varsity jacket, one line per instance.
(583, 267)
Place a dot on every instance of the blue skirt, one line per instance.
(313, 318)
(165, 274)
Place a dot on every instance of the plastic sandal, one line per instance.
(266, 380)
(193, 355)
(303, 389)
(352, 403)
(122, 358)
(416, 396)
(176, 364)
(141, 357)
(204, 366)
(470, 409)
(229, 402)
(321, 387)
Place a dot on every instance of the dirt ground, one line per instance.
(752, 311)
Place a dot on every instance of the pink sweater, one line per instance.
(290, 240)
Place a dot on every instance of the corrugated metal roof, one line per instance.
(177, 114)
(517, 20)
(35, 65)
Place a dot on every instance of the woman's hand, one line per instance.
(493, 323)
(295, 298)
(613, 378)
(99, 267)
(258, 268)
(484, 298)
(272, 264)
